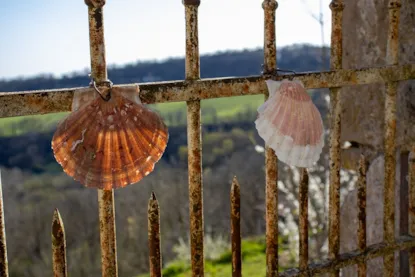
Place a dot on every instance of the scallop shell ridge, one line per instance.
(291, 124)
(110, 144)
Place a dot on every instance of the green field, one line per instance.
(253, 262)
(219, 109)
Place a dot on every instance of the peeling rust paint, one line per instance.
(194, 140)
(271, 212)
(411, 212)
(236, 228)
(153, 213)
(336, 51)
(334, 190)
(96, 41)
(4, 265)
(60, 100)
(303, 220)
(353, 257)
(390, 173)
(107, 233)
(270, 49)
(95, 3)
(191, 2)
(192, 62)
(195, 186)
(393, 32)
(361, 203)
(403, 210)
(336, 47)
(99, 74)
(390, 137)
(271, 162)
(58, 246)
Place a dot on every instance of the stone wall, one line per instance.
(364, 45)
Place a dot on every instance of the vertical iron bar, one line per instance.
(393, 32)
(411, 212)
(107, 233)
(105, 197)
(96, 40)
(361, 203)
(403, 212)
(4, 266)
(58, 246)
(236, 228)
(390, 133)
(303, 194)
(194, 140)
(270, 47)
(336, 51)
(271, 162)
(389, 186)
(153, 212)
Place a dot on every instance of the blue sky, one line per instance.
(51, 37)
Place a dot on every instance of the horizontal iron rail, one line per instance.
(59, 100)
(354, 257)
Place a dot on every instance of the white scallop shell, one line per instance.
(291, 124)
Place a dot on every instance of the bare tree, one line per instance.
(319, 17)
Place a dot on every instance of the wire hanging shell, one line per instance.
(109, 144)
(291, 124)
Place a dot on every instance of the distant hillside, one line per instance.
(231, 63)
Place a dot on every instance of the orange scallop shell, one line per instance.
(109, 144)
(291, 124)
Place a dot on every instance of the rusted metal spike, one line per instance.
(153, 212)
(336, 48)
(4, 266)
(58, 246)
(361, 203)
(303, 245)
(192, 72)
(236, 228)
(271, 165)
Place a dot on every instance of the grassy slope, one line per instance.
(226, 108)
(253, 262)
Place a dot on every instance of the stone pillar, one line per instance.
(365, 38)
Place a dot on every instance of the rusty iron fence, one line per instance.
(193, 90)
